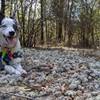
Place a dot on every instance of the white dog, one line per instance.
(9, 38)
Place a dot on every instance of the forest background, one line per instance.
(71, 23)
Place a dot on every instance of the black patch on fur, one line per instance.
(1, 66)
(15, 25)
(1, 17)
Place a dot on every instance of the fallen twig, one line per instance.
(17, 95)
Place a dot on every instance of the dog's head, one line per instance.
(8, 32)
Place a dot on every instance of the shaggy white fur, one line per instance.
(5, 28)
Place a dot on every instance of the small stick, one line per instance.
(17, 95)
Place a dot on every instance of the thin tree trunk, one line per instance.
(3, 7)
(23, 24)
(42, 24)
(11, 2)
(70, 28)
(46, 30)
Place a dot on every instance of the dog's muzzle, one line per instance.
(8, 41)
(11, 33)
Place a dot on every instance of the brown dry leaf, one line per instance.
(46, 83)
(50, 65)
(45, 88)
(64, 87)
(79, 92)
(36, 87)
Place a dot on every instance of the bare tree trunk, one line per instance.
(11, 3)
(66, 20)
(3, 7)
(46, 30)
(23, 24)
(60, 20)
(29, 24)
(42, 22)
(70, 26)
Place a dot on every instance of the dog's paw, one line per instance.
(20, 68)
(17, 60)
(23, 71)
(18, 73)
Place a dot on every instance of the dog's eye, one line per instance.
(15, 27)
(4, 26)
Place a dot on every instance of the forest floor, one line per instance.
(54, 74)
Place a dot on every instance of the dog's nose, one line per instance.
(11, 33)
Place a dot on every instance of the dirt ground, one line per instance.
(55, 74)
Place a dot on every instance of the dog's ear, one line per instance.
(16, 23)
(1, 17)
(12, 17)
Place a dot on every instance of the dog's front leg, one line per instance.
(11, 70)
(20, 69)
